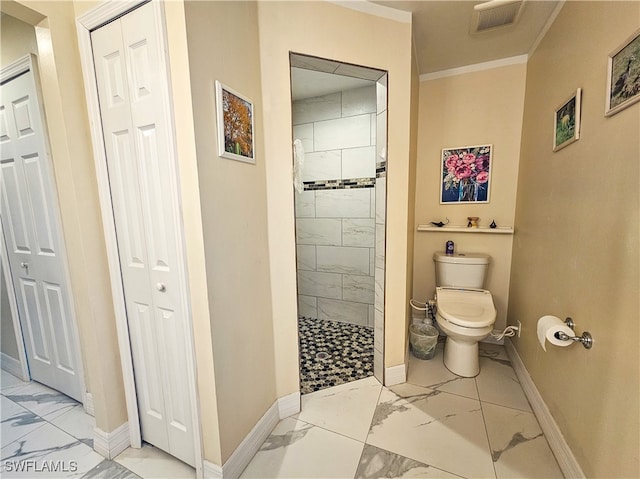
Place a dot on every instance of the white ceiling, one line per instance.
(442, 38)
(310, 83)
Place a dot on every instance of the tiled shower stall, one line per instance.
(340, 215)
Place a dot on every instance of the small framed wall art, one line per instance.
(566, 121)
(235, 125)
(623, 75)
(465, 173)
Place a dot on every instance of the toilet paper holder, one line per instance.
(585, 339)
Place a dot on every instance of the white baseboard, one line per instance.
(289, 405)
(110, 444)
(89, 408)
(566, 460)
(395, 375)
(12, 365)
(211, 470)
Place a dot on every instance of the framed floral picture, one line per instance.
(235, 125)
(623, 75)
(465, 174)
(566, 121)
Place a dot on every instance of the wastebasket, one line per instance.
(423, 339)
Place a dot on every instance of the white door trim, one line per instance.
(18, 67)
(87, 22)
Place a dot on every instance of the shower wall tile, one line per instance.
(306, 257)
(343, 311)
(379, 289)
(381, 94)
(380, 252)
(381, 137)
(323, 165)
(372, 316)
(374, 129)
(322, 285)
(358, 232)
(372, 262)
(359, 162)
(320, 108)
(305, 204)
(304, 133)
(350, 132)
(345, 260)
(350, 203)
(307, 306)
(319, 231)
(381, 195)
(378, 329)
(359, 101)
(358, 288)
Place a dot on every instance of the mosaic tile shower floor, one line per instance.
(333, 353)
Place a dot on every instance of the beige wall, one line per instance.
(330, 31)
(234, 215)
(576, 246)
(470, 109)
(65, 110)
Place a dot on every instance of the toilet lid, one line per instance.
(469, 308)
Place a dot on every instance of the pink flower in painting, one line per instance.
(463, 172)
(452, 162)
(482, 177)
(469, 158)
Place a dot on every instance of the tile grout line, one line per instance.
(486, 431)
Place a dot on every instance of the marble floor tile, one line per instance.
(346, 409)
(41, 400)
(518, 446)
(149, 462)
(48, 452)
(432, 373)
(498, 384)
(377, 463)
(8, 380)
(110, 470)
(77, 423)
(433, 427)
(490, 350)
(17, 421)
(296, 449)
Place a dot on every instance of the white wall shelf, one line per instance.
(504, 230)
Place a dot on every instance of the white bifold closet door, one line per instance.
(136, 126)
(30, 221)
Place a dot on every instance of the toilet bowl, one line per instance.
(466, 316)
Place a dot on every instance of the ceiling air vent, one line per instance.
(495, 14)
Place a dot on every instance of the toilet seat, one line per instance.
(468, 308)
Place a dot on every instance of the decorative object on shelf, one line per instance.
(493, 225)
(473, 221)
(235, 125)
(440, 224)
(465, 173)
(566, 121)
(623, 75)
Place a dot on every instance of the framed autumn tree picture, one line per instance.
(235, 125)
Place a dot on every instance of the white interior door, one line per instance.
(30, 222)
(141, 166)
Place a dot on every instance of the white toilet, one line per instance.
(465, 311)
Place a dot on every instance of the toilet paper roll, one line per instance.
(548, 326)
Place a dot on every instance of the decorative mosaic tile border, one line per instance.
(381, 169)
(340, 184)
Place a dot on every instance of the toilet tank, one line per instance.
(461, 270)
